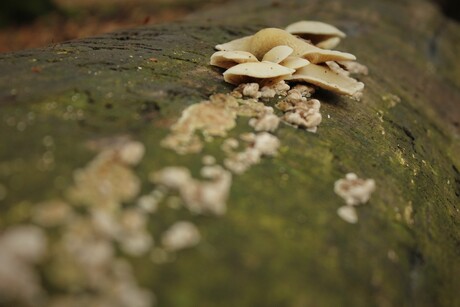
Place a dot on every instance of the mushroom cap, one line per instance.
(278, 54)
(315, 28)
(329, 43)
(261, 72)
(321, 34)
(266, 39)
(241, 44)
(294, 62)
(317, 55)
(326, 78)
(227, 59)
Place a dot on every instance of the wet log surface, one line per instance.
(281, 242)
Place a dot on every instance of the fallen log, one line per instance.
(280, 242)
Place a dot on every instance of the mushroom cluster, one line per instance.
(300, 53)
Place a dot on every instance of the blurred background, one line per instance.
(36, 23)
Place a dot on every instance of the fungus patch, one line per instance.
(355, 191)
(213, 117)
(92, 223)
(258, 145)
(180, 235)
(299, 110)
(266, 122)
(249, 90)
(108, 180)
(348, 214)
(149, 203)
(208, 160)
(200, 196)
(21, 248)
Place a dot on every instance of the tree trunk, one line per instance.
(281, 242)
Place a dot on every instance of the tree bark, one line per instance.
(281, 242)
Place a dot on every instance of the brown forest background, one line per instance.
(36, 23)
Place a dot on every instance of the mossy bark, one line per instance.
(281, 242)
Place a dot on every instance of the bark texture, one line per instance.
(281, 242)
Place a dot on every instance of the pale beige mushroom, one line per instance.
(321, 34)
(278, 54)
(241, 44)
(324, 77)
(260, 72)
(294, 62)
(227, 59)
(264, 40)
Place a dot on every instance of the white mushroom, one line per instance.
(241, 44)
(314, 27)
(260, 72)
(227, 59)
(321, 34)
(348, 214)
(278, 54)
(294, 62)
(324, 77)
(266, 39)
(317, 55)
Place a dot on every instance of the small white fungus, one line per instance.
(181, 235)
(148, 203)
(348, 214)
(208, 160)
(20, 248)
(262, 144)
(267, 122)
(132, 152)
(267, 144)
(206, 196)
(249, 90)
(354, 190)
